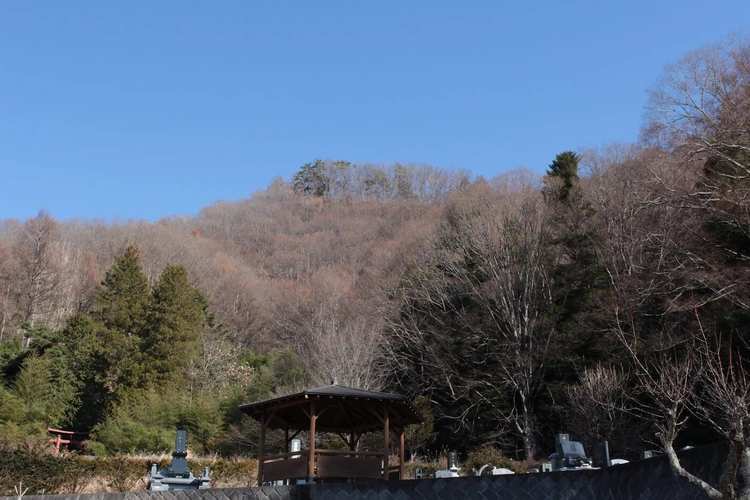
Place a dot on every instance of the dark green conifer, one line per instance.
(124, 295)
(175, 323)
(311, 179)
(565, 168)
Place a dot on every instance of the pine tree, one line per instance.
(311, 179)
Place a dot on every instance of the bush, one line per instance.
(127, 437)
(142, 424)
(491, 456)
(204, 424)
(229, 473)
(428, 469)
(34, 465)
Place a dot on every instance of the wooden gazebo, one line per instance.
(348, 412)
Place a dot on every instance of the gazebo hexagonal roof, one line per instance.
(338, 409)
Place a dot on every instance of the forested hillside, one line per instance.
(608, 298)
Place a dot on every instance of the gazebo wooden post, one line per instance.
(311, 464)
(261, 447)
(386, 440)
(345, 411)
(286, 438)
(401, 454)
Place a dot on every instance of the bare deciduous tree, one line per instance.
(702, 103)
(598, 408)
(5, 285)
(36, 253)
(472, 320)
(706, 378)
(333, 338)
(701, 108)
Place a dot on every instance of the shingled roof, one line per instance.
(339, 409)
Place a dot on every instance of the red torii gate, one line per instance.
(71, 437)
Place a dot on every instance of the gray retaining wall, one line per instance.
(642, 480)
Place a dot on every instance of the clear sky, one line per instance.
(146, 109)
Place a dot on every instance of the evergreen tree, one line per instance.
(54, 377)
(124, 297)
(419, 436)
(175, 322)
(11, 411)
(124, 302)
(580, 284)
(727, 217)
(311, 179)
(83, 349)
(564, 168)
(46, 391)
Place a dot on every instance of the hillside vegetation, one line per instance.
(608, 298)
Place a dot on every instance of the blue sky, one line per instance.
(142, 109)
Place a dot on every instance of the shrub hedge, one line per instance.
(32, 466)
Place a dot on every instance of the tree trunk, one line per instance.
(743, 476)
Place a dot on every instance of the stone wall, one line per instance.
(642, 480)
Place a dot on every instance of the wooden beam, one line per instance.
(322, 410)
(261, 447)
(311, 458)
(345, 413)
(386, 440)
(289, 455)
(369, 427)
(349, 452)
(401, 455)
(279, 406)
(286, 438)
(375, 413)
(272, 416)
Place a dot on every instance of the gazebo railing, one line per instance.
(328, 464)
(285, 465)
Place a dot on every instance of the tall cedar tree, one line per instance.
(124, 301)
(82, 345)
(124, 297)
(580, 288)
(177, 318)
(565, 168)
